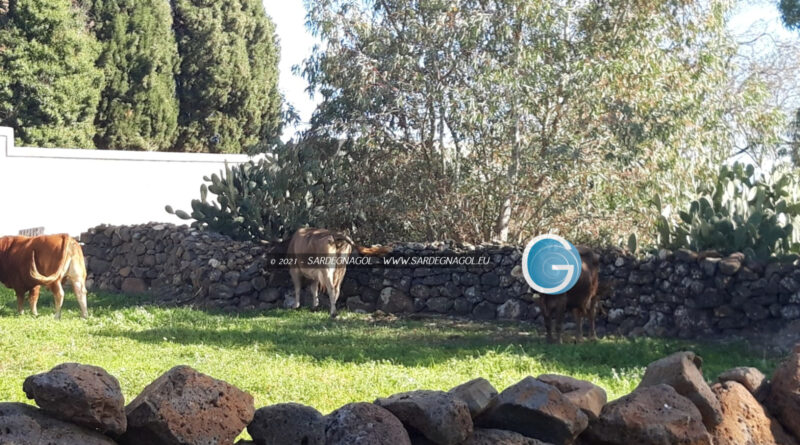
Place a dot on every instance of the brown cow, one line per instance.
(29, 262)
(308, 245)
(581, 299)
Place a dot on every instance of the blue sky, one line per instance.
(296, 42)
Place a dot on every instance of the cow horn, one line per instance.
(38, 276)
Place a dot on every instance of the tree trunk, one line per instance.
(504, 218)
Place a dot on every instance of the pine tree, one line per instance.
(228, 81)
(139, 107)
(49, 85)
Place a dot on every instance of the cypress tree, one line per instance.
(139, 108)
(49, 85)
(790, 10)
(228, 81)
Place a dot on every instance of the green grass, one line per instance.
(302, 356)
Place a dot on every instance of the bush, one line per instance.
(740, 211)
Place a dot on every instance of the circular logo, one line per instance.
(551, 264)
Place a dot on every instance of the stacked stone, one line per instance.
(482, 292)
(686, 294)
(673, 404)
(678, 293)
(179, 265)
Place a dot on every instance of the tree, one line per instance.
(229, 99)
(794, 139)
(49, 85)
(139, 107)
(515, 117)
(790, 9)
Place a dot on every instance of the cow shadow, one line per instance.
(99, 304)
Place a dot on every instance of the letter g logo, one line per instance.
(551, 264)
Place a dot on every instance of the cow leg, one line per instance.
(76, 272)
(314, 289)
(58, 296)
(592, 317)
(547, 319)
(20, 301)
(80, 293)
(297, 280)
(578, 315)
(333, 294)
(548, 329)
(33, 299)
(333, 291)
(559, 316)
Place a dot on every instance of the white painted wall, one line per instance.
(71, 190)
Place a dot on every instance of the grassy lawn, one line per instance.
(300, 356)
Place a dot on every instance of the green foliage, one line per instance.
(740, 211)
(228, 81)
(139, 107)
(528, 117)
(270, 198)
(49, 85)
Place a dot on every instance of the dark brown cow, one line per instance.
(581, 299)
(308, 244)
(26, 263)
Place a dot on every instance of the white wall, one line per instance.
(71, 190)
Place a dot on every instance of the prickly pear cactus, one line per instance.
(742, 211)
(269, 199)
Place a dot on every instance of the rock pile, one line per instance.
(672, 405)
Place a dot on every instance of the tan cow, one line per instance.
(307, 247)
(26, 263)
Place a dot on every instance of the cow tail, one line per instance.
(373, 251)
(58, 275)
(366, 251)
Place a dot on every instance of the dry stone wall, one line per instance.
(679, 294)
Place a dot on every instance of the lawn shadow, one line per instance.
(361, 339)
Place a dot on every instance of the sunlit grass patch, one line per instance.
(305, 357)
